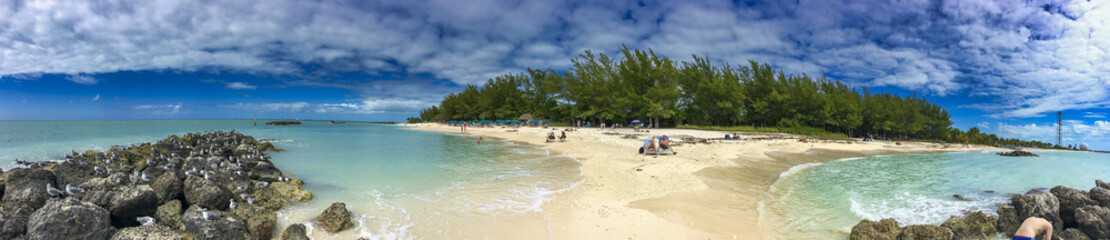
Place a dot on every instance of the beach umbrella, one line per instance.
(636, 121)
(526, 116)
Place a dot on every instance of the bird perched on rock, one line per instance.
(253, 201)
(145, 220)
(71, 190)
(54, 192)
(99, 169)
(169, 166)
(210, 215)
(262, 184)
(146, 177)
(233, 204)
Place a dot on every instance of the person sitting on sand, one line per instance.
(550, 137)
(1035, 226)
(665, 143)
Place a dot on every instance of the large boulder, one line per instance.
(167, 186)
(169, 214)
(1101, 184)
(1037, 205)
(72, 173)
(976, 225)
(227, 227)
(260, 222)
(1070, 199)
(1100, 195)
(124, 202)
(10, 227)
(150, 232)
(291, 191)
(926, 232)
(264, 171)
(875, 230)
(25, 191)
(69, 219)
(334, 219)
(1008, 220)
(1073, 234)
(294, 232)
(1094, 221)
(206, 193)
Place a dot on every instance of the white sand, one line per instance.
(706, 191)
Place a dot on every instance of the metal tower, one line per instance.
(1059, 124)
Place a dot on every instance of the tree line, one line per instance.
(643, 86)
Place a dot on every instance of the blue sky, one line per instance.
(1004, 66)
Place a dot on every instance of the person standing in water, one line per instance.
(479, 140)
(1035, 226)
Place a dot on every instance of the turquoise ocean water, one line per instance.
(824, 201)
(398, 183)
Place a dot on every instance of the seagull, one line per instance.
(169, 166)
(233, 204)
(191, 172)
(240, 188)
(54, 192)
(98, 169)
(244, 195)
(146, 177)
(241, 173)
(111, 170)
(209, 177)
(71, 190)
(145, 220)
(210, 215)
(150, 162)
(253, 201)
(262, 184)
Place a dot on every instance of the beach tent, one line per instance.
(526, 117)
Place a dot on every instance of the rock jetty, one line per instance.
(1080, 215)
(211, 185)
(283, 123)
(1018, 153)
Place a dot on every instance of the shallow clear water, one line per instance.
(398, 183)
(821, 201)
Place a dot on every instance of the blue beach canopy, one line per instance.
(636, 121)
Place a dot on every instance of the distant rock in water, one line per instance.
(283, 123)
(1018, 153)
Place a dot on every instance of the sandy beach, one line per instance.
(707, 191)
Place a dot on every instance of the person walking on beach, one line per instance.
(1035, 226)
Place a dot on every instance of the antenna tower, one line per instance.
(1059, 124)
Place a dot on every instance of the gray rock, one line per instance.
(1100, 195)
(72, 173)
(169, 215)
(167, 186)
(264, 171)
(297, 232)
(1008, 220)
(225, 228)
(1101, 184)
(1037, 205)
(260, 222)
(69, 219)
(974, 226)
(334, 219)
(925, 232)
(10, 227)
(1094, 221)
(206, 194)
(124, 202)
(886, 229)
(151, 232)
(1070, 199)
(25, 191)
(1073, 234)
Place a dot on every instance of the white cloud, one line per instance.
(1096, 133)
(984, 125)
(82, 79)
(97, 98)
(168, 109)
(1094, 115)
(1030, 57)
(366, 106)
(239, 86)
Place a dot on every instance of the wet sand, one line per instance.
(706, 191)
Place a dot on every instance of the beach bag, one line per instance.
(641, 150)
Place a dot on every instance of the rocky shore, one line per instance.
(212, 185)
(1081, 214)
(1018, 153)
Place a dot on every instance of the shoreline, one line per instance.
(709, 190)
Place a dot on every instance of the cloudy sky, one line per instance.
(1004, 66)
